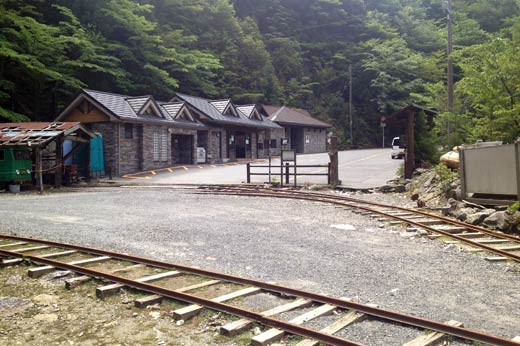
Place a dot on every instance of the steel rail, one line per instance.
(384, 314)
(192, 299)
(354, 200)
(324, 199)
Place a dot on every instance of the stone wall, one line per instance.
(215, 137)
(317, 140)
(277, 135)
(148, 157)
(129, 149)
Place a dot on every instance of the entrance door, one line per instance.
(182, 149)
(297, 139)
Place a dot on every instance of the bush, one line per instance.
(446, 176)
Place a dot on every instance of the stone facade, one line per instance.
(314, 140)
(217, 146)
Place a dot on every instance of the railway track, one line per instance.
(122, 270)
(502, 247)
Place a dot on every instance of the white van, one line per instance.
(398, 150)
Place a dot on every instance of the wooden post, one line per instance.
(295, 173)
(39, 169)
(87, 162)
(410, 146)
(248, 167)
(287, 173)
(517, 159)
(58, 172)
(334, 162)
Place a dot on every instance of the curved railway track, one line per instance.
(504, 246)
(80, 260)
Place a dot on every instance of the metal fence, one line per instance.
(284, 171)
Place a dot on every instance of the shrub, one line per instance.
(446, 176)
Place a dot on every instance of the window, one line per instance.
(81, 107)
(2, 155)
(164, 147)
(129, 131)
(90, 107)
(273, 143)
(155, 146)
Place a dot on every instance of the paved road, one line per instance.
(357, 168)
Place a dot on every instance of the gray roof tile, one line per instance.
(205, 106)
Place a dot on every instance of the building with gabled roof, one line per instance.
(302, 132)
(139, 133)
(236, 131)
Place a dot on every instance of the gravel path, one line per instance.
(291, 242)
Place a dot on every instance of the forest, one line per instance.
(292, 52)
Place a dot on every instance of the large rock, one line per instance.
(392, 187)
(500, 220)
(453, 207)
(479, 217)
(462, 214)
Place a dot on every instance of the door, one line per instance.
(182, 149)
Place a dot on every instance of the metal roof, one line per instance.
(126, 108)
(39, 133)
(207, 108)
(293, 116)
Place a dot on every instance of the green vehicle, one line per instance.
(15, 165)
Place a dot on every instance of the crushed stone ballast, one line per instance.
(53, 255)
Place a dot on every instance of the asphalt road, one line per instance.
(357, 168)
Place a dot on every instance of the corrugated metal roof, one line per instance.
(38, 133)
(205, 107)
(293, 116)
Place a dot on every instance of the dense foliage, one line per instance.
(295, 52)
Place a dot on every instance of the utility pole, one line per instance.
(350, 103)
(450, 58)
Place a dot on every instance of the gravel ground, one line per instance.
(291, 242)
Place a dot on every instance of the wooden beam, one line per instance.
(433, 337)
(350, 318)
(192, 310)
(274, 334)
(58, 174)
(13, 244)
(105, 291)
(155, 299)
(40, 271)
(78, 280)
(29, 249)
(238, 326)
